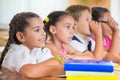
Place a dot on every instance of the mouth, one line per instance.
(42, 40)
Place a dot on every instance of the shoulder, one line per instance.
(17, 49)
(16, 52)
(15, 55)
(75, 43)
(16, 46)
(50, 46)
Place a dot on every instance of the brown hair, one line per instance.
(54, 17)
(98, 12)
(76, 10)
(18, 23)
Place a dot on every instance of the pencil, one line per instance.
(58, 59)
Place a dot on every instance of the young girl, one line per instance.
(59, 28)
(24, 56)
(110, 32)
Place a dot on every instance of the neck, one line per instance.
(81, 35)
(57, 44)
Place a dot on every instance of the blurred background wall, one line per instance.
(8, 8)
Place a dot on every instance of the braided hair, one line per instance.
(18, 23)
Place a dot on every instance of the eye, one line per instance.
(68, 27)
(37, 30)
(87, 19)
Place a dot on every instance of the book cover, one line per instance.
(114, 77)
(86, 73)
(89, 65)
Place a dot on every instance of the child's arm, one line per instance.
(113, 52)
(48, 68)
(71, 53)
(97, 31)
(74, 54)
(115, 37)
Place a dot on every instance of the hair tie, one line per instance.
(46, 19)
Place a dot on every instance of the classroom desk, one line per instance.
(3, 37)
(51, 78)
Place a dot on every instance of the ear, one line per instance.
(75, 25)
(20, 36)
(52, 29)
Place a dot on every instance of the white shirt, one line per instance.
(19, 55)
(82, 44)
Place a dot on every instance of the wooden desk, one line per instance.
(3, 37)
(51, 78)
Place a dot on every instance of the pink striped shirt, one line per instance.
(106, 41)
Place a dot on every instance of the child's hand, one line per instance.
(65, 56)
(113, 24)
(95, 27)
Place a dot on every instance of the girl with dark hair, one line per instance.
(59, 28)
(110, 32)
(24, 56)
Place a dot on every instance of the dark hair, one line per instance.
(18, 23)
(53, 17)
(97, 12)
(76, 10)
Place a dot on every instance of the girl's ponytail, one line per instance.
(17, 24)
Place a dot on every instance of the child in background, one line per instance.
(59, 27)
(110, 32)
(24, 56)
(83, 28)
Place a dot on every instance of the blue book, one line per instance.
(89, 65)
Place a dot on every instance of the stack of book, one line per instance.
(89, 70)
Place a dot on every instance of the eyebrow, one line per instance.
(67, 23)
(36, 27)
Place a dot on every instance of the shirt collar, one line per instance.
(87, 39)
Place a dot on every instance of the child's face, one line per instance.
(64, 29)
(82, 25)
(34, 34)
(105, 27)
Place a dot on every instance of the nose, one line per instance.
(72, 31)
(89, 20)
